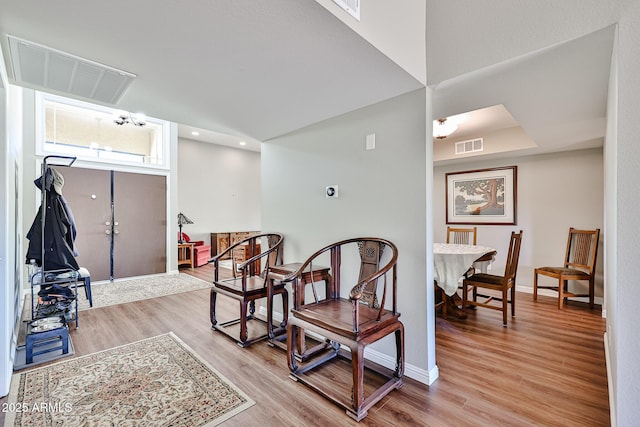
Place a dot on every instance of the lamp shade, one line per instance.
(182, 219)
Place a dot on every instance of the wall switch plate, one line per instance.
(331, 191)
(371, 141)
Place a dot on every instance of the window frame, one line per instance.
(40, 132)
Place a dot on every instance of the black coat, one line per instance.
(59, 231)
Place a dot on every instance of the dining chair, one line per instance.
(505, 284)
(247, 284)
(462, 236)
(579, 265)
(368, 314)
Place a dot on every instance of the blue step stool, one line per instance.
(37, 340)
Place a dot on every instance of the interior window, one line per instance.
(96, 133)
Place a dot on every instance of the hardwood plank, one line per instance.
(546, 368)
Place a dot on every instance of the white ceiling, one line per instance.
(558, 95)
(252, 70)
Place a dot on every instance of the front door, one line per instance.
(121, 221)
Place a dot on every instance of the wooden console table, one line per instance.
(221, 241)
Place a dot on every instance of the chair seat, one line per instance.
(489, 279)
(337, 316)
(255, 285)
(569, 273)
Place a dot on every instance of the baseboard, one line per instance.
(612, 400)
(550, 293)
(411, 371)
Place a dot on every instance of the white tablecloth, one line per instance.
(451, 261)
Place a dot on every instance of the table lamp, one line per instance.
(182, 219)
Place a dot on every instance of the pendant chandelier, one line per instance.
(442, 128)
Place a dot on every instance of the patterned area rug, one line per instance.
(128, 290)
(159, 381)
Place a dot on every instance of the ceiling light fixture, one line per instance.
(124, 117)
(442, 128)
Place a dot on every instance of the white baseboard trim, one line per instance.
(612, 400)
(550, 293)
(411, 371)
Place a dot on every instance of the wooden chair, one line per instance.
(462, 236)
(247, 284)
(579, 264)
(502, 284)
(353, 322)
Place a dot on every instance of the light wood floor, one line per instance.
(547, 368)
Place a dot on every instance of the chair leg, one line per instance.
(535, 285)
(87, 289)
(505, 309)
(592, 291)
(561, 285)
(513, 301)
(285, 308)
(212, 307)
(399, 372)
(243, 323)
(465, 294)
(292, 334)
(357, 365)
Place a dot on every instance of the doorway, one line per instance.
(121, 221)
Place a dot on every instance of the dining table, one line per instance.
(451, 261)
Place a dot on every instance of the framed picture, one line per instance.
(484, 196)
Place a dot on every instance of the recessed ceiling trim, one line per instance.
(48, 69)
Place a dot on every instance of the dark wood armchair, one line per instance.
(247, 284)
(505, 284)
(368, 314)
(579, 264)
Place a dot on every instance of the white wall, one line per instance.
(11, 259)
(622, 332)
(218, 188)
(397, 31)
(382, 193)
(554, 192)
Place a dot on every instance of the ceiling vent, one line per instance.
(40, 67)
(470, 146)
(351, 6)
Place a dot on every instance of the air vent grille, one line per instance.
(351, 6)
(43, 68)
(470, 146)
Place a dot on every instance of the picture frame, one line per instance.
(483, 196)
